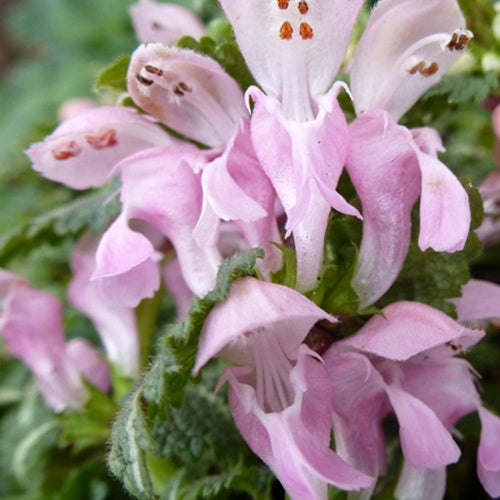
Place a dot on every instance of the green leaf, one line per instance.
(28, 432)
(114, 76)
(90, 425)
(87, 211)
(201, 429)
(226, 53)
(13, 378)
(464, 87)
(334, 292)
(432, 277)
(129, 438)
(238, 479)
(475, 202)
(287, 275)
(83, 483)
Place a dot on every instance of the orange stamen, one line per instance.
(286, 31)
(306, 32)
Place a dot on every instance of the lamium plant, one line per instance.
(273, 279)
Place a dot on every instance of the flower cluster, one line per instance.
(262, 168)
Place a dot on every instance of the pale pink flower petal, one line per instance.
(162, 187)
(251, 304)
(82, 151)
(405, 49)
(389, 167)
(164, 22)
(278, 396)
(417, 483)
(31, 324)
(409, 328)
(480, 301)
(360, 404)
(115, 324)
(186, 91)
(303, 162)
(293, 439)
(488, 456)
(446, 385)
(384, 170)
(227, 179)
(126, 265)
(444, 207)
(238, 189)
(425, 441)
(291, 48)
(88, 361)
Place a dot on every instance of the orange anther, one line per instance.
(286, 31)
(303, 7)
(283, 4)
(431, 69)
(306, 32)
(423, 69)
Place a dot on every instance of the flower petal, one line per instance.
(480, 301)
(238, 189)
(162, 187)
(88, 361)
(405, 49)
(116, 325)
(444, 207)
(186, 91)
(360, 404)
(407, 329)
(164, 22)
(250, 305)
(445, 385)
(383, 168)
(31, 323)
(303, 162)
(121, 249)
(295, 442)
(227, 180)
(426, 443)
(488, 456)
(420, 483)
(82, 151)
(290, 47)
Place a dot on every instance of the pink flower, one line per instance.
(164, 22)
(406, 47)
(279, 389)
(496, 128)
(237, 189)
(298, 129)
(82, 151)
(404, 361)
(489, 230)
(186, 91)
(115, 325)
(479, 303)
(31, 323)
(192, 94)
(162, 188)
